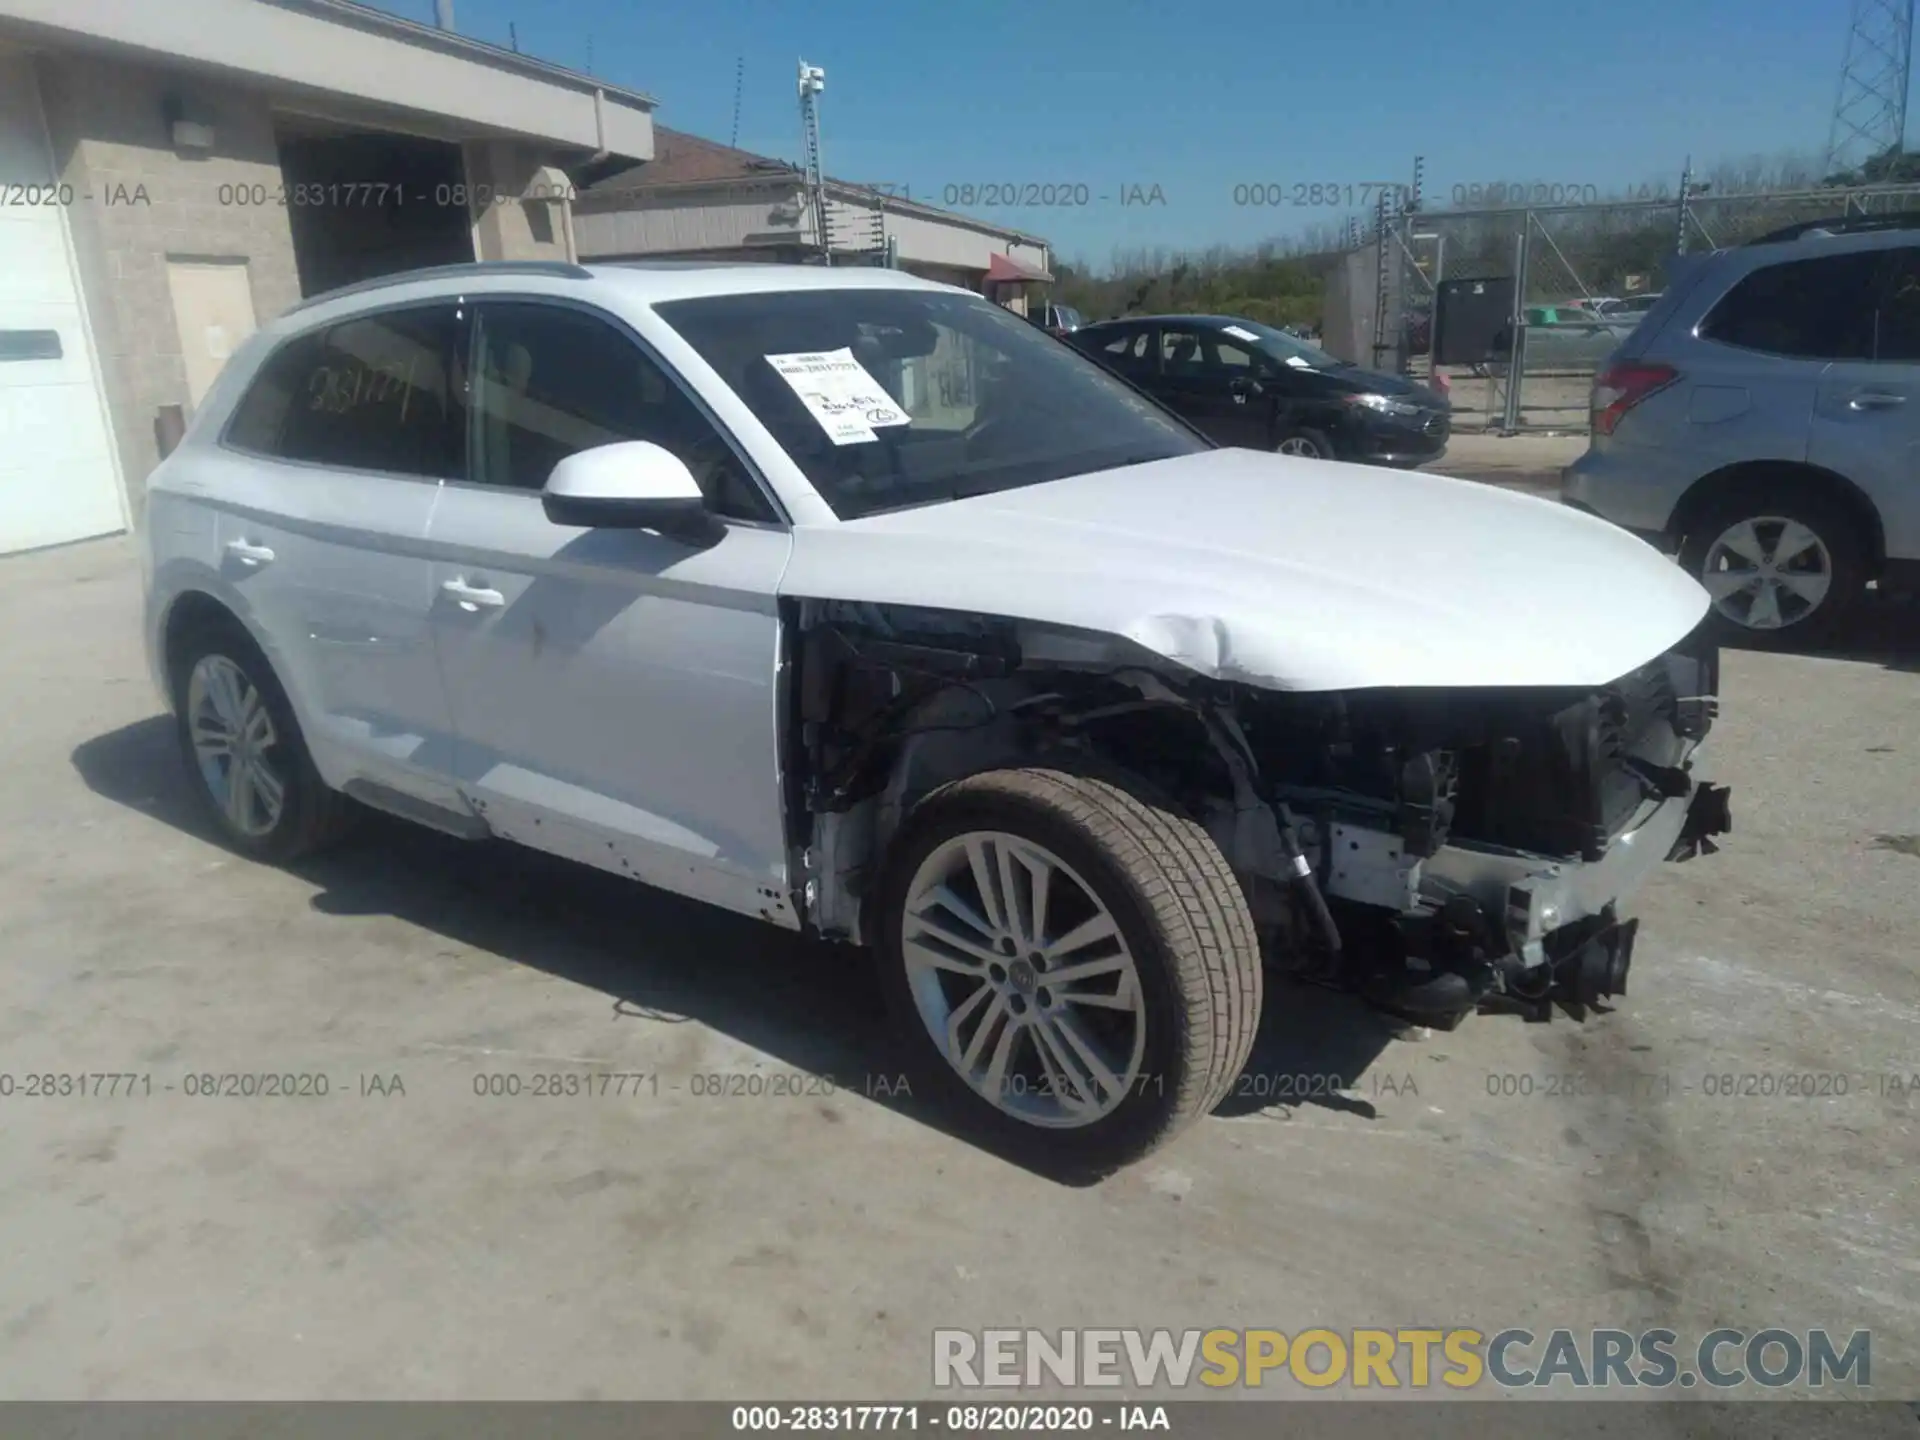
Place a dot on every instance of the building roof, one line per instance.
(354, 12)
(683, 160)
(327, 49)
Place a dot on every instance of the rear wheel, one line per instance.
(1071, 968)
(251, 772)
(1783, 565)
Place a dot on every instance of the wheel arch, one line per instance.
(1710, 489)
(878, 727)
(186, 612)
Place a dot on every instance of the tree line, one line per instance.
(1619, 243)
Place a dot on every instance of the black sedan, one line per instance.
(1247, 384)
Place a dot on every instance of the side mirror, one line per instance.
(634, 485)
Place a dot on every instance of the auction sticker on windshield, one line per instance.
(840, 394)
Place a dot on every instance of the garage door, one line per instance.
(58, 480)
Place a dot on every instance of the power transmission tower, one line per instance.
(812, 81)
(1870, 111)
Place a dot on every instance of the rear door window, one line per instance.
(382, 392)
(1181, 352)
(1818, 309)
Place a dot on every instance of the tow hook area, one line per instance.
(1574, 968)
(1587, 966)
(1709, 813)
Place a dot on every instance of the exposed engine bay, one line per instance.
(1437, 850)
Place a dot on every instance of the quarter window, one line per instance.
(379, 392)
(550, 382)
(1898, 338)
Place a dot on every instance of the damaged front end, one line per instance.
(1477, 846)
(1434, 849)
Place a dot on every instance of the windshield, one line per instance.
(1280, 346)
(890, 398)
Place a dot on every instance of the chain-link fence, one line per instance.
(1582, 275)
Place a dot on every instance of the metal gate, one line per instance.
(1583, 274)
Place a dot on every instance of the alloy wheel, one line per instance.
(1023, 979)
(1767, 572)
(1299, 445)
(234, 743)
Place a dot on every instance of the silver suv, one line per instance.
(1761, 423)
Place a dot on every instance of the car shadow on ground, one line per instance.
(1884, 630)
(664, 960)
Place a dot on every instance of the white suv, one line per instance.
(854, 603)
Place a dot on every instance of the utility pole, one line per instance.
(1681, 216)
(812, 81)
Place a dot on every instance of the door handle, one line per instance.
(248, 553)
(472, 597)
(1875, 400)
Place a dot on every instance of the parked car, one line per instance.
(1762, 422)
(1631, 308)
(1560, 337)
(1249, 384)
(1057, 319)
(697, 575)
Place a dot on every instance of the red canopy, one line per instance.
(1006, 269)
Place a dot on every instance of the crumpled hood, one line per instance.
(1282, 572)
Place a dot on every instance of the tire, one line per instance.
(310, 816)
(1317, 445)
(1179, 921)
(1840, 551)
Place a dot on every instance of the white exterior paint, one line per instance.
(364, 54)
(681, 223)
(1281, 572)
(59, 479)
(699, 219)
(945, 240)
(615, 697)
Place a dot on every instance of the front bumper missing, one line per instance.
(1563, 939)
(1561, 892)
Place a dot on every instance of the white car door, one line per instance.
(614, 692)
(329, 470)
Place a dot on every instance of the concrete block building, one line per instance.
(172, 174)
(698, 199)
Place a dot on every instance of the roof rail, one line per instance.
(473, 270)
(1842, 225)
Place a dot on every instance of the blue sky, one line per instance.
(1197, 99)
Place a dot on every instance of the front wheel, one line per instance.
(1782, 564)
(1071, 968)
(1309, 444)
